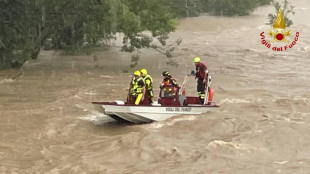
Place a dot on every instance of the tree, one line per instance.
(287, 10)
(27, 26)
(232, 7)
(155, 16)
(188, 8)
(18, 32)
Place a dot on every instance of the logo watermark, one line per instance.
(279, 34)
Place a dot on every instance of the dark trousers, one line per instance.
(201, 87)
(148, 98)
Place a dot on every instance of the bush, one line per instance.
(232, 7)
(287, 10)
(28, 26)
(187, 8)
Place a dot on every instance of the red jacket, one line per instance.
(169, 81)
(201, 71)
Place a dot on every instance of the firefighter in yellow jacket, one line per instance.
(136, 90)
(148, 80)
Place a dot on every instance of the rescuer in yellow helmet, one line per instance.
(148, 80)
(202, 78)
(136, 90)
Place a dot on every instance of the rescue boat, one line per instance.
(171, 102)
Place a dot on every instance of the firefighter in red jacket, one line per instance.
(169, 85)
(168, 80)
(202, 79)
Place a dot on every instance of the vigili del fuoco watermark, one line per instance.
(279, 34)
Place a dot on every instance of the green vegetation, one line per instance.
(188, 8)
(234, 7)
(28, 26)
(18, 41)
(77, 25)
(286, 9)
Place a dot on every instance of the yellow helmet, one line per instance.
(196, 59)
(137, 73)
(143, 71)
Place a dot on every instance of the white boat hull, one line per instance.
(146, 114)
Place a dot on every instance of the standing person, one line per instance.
(136, 90)
(202, 79)
(148, 80)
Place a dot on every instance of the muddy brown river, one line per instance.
(48, 125)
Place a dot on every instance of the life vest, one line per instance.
(169, 91)
(137, 86)
(148, 80)
(201, 71)
(169, 81)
